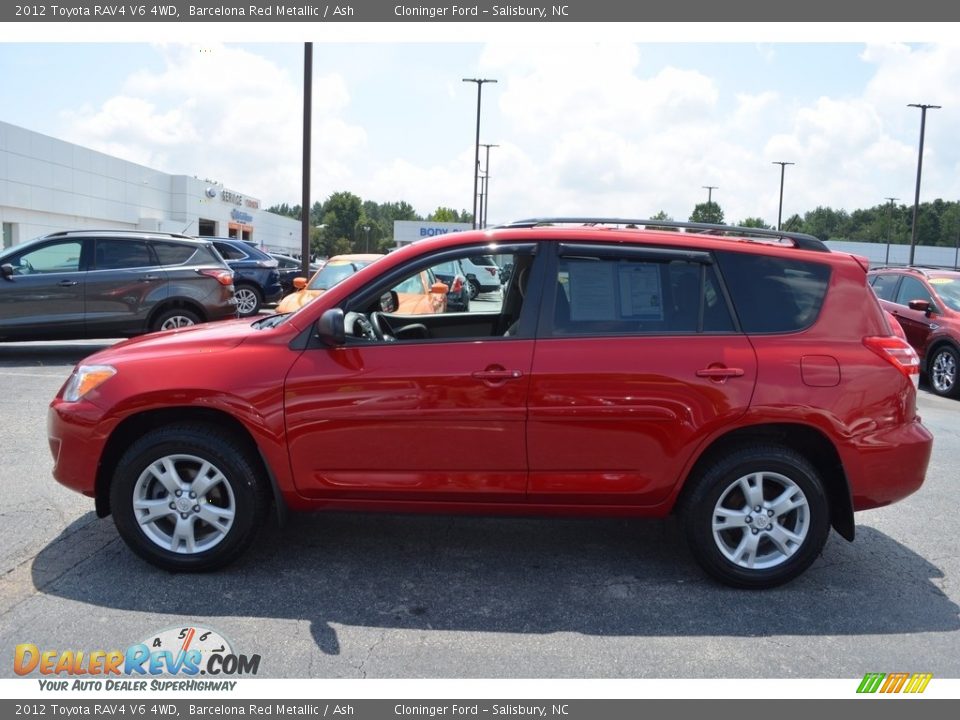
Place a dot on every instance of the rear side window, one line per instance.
(773, 294)
(173, 253)
(230, 252)
(626, 295)
(884, 286)
(120, 254)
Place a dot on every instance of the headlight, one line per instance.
(85, 378)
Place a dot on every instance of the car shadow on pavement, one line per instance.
(595, 577)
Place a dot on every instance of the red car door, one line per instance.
(625, 385)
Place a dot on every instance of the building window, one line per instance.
(7, 235)
(208, 228)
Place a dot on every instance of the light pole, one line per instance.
(484, 206)
(710, 189)
(307, 114)
(916, 197)
(366, 242)
(889, 227)
(783, 167)
(476, 155)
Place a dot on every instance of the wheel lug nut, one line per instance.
(173, 506)
(179, 493)
(757, 508)
(755, 531)
(748, 519)
(770, 513)
(196, 508)
(193, 494)
(183, 515)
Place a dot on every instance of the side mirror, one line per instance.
(299, 283)
(389, 302)
(439, 288)
(330, 328)
(6, 271)
(921, 306)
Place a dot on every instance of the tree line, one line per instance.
(344, 223)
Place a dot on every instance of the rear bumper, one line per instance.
(887, 466)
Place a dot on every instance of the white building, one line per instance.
(48, 185)
(408, 231)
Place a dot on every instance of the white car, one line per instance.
(483, 274)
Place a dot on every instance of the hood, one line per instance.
(211, 337)
(297, 300)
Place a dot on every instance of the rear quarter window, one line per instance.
(884, 286)
(173, 253)
(773, 294)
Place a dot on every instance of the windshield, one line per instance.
(334, 273)
(949, 291)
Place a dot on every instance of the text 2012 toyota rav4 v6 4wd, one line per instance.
(753, 386)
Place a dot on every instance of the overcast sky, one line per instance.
(584, 125)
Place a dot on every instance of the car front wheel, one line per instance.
(757, 518)
(175, 318)
(943, 372)
(188, 498)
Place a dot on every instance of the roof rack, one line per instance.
(119, 231)
(800, 240)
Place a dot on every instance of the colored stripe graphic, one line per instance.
(894, 682)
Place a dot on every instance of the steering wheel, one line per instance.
(25, 267)
(380, 327)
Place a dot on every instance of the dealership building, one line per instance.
(48, 185)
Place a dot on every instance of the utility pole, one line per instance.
(916, 198)
(710, 189)
(889, 227)
(476, 155)
(484, 206)
(783, 167)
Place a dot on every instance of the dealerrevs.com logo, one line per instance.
(894, 682)
(185, 652)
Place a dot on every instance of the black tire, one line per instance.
(173, 456)
(175, 318)
(942, 372)
(474, 288)
(721, 491)
(249, 299)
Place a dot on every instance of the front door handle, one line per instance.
(148, 278)
(497, 375)
(719, 373)
(67, 283)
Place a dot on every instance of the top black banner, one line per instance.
(429, 11)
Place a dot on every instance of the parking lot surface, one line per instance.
(349, 595)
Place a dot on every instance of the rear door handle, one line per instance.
(497, 375)
(148, 278)
(67, 283)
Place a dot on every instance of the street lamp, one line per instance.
(889, 227)
(783, 167)
(476, 155)
(710, 189)
(916, 198)
(366, 242)
(484, 206)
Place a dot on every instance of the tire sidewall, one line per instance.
(258, 296)
(230, 462)
(954, 390)
(698, 518)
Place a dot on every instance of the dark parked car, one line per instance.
(755, 389)
(926, 303)
(288, 268)
(88, 284)
(256, 277)
(452, 274)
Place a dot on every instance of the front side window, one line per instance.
(912, 289)
(53, 258)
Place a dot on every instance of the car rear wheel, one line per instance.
(188, 498)
(943, 372)
(474, 288)
(175, 318)
(249, 300)
(757, 518)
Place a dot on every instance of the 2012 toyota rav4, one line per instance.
(755, 388)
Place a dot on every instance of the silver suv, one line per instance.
(111, 283)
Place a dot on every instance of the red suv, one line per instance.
(752, 387)
(926, 303)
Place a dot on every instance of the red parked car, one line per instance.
(754, 388)
(926, 303)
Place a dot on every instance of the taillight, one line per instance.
(224, 277)
(491, 270)
(898, 353)
(457, 285)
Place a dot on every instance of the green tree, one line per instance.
(708, 212)
(444, 214)
(341, 214)
(754, 222)
(661, 215)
